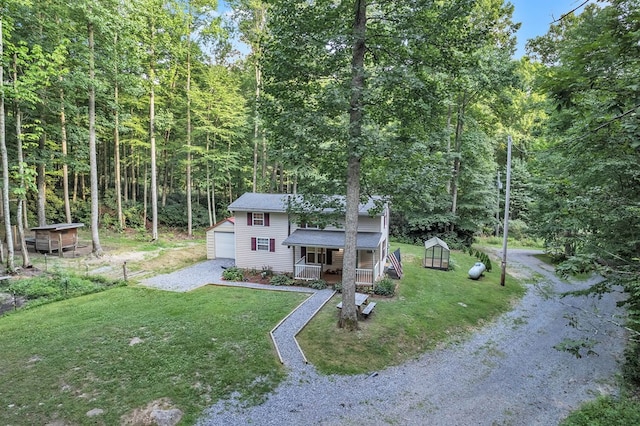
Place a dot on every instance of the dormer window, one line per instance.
(309, 225)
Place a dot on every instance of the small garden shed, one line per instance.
(221, 240)
(436, 254)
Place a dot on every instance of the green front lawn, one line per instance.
(63, 359)
(430, 307)
(60, 360)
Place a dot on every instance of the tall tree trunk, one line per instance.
(145, 197)
(5, 166)
(449, 143)
(188, 171)
(116, 158)
(210, 205)
(93, 160)
(117, 184)
(256, 127)
(65, 160)
(152, 137)
(26, 262)
(75, 187)
(41, 178)
(348, 314)
(456, 162)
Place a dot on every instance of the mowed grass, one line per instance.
(59, 361)
(430, 308)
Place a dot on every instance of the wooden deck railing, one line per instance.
(306, 272)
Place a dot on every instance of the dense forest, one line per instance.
(156, 114)
(146, 113)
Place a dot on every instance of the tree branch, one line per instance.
(617, 117)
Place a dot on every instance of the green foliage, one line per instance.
(281, 279)
(58, 286)
(605, 411)
(482, 257)
(266, 272)
(631, 368)
(338, 286)
(384, 287)
(232, 274)
(577, 348)
(174, 214)
(318, 284)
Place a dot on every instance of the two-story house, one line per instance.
(268, 235)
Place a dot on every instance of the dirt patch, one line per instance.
(160, 412)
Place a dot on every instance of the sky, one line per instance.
(536, 16)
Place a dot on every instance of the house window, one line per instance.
(309, 225)
(257, 219)
(263, 244)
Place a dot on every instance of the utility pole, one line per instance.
(506, 213)
(499, 186)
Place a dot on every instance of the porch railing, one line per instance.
(367, 275)
(302, 271)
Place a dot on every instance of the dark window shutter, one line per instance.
(253, 243)
(303, 252)
(329, 257)
(249, 219)
(272, 244)
(266, 219)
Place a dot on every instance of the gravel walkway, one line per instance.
(507, 373)
(283, 335)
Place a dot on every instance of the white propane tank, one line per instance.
(476, 270)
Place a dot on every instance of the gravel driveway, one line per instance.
(507, 373)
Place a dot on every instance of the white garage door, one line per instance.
(225, 245)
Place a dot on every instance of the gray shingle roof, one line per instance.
(252, 201)
(277, 203)
(331, 239)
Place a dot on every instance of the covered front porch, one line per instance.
(319, 254)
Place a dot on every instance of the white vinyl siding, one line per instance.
(280, 260)
(370, 224)
(226, 229)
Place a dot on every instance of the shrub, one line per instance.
(385, 287)
(232, 274)
(318, 284)
(266, 272)
(58, 286)
(281, 280)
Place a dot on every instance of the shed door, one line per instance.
(225, 245)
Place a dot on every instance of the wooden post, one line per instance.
(124, 270)
(60, 244)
